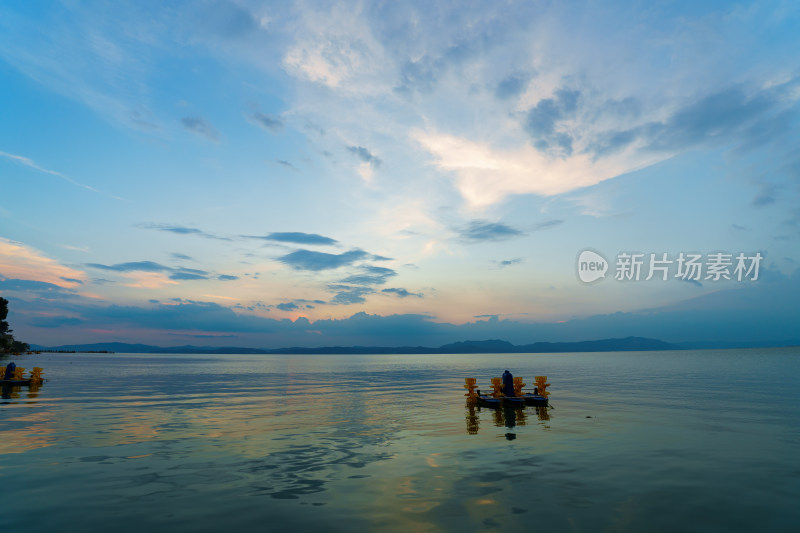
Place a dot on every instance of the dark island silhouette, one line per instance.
(465, 347)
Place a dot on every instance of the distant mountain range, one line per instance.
(486, 346)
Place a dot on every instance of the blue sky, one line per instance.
(321, 173)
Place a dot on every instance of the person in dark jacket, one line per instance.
(10, 368)
(508, 384)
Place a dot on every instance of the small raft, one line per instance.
(18, 376)
(496, 398)
(535, 399)
(491, 401)
(514, 401)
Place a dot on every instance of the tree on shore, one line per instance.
(7, 342)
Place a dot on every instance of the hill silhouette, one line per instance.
(482, 346)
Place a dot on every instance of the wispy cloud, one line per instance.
(74, 248)
(40, 288)
(201, 127)
(508, 262)
(287, 164)
(181, 230)
(485, 175)
(481, 230)
(201, 336)
(766, 197)
(20, 261)
(370, 275)
(337, 48)
(95, 64)
(32, 164)
(133, 266)
(188, 274)
(55, 321)
(316, 261)
(270, 123)
(299, 304)
(350, 295)
(294, 237)
(171, 273)
(548, 224)
(402, 293)
(578, 139)
(365, 155)
(733, 115)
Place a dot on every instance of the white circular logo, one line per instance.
(591, 266)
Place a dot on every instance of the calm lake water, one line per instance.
(634, 441)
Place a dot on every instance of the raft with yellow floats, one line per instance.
(496, 398)
(35, 377)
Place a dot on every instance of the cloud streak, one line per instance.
(370, 275)
(730, 115)
(548, 224)
(401, 293)
(201, 127)
(365, 155)
(182, 230)
(295, 237)
(174, 274)
(20, 261)
(40, 288)
(32, 164)
(270, 123)
(316, 261)
(485, 175)
(481, 230)
(508, 262)
(133, 266)
(350, 295)
(287, 164)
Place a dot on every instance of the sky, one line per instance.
(272, 174)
